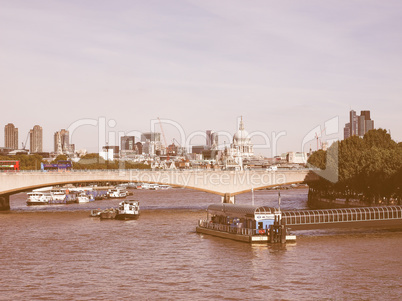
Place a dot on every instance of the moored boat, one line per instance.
(95, 212)
(253, 224)
(153, 187)
(128, 210)
(39, 198)
(84, 198)
(59, 194)
(108, 213)
(117, 193)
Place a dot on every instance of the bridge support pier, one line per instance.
(228, 198)
(4, 202)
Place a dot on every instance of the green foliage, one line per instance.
(318, 159)
(27, 162)
(60, 158)
(369, 166)
(94, 161)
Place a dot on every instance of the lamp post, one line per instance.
(107, 155)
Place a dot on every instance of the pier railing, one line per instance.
(230, 229)
(304, 217)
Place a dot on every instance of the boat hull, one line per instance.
(107, 215)
(36, 203)
(243, 238)
(126, 216)
(239, 237)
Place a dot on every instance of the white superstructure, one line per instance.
(39, 198)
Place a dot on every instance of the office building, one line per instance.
(62, 142)
(151, 143)
(127, 143)
(212, 140)
(358, 125)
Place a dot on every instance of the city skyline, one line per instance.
(284, 67)
(113, 139)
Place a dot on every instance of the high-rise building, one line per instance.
(11, 136)
(139, 148)
(62, 142)
(346, 131)
(36, 139)
(353, 120)
(366, 114)
(212, 140)
(369, 125)
(358, 125)
(127, 143)
(151, 136)
(362, 125)
(151, 143)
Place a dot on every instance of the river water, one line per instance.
(58, 252)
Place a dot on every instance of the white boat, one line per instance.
(117, 193)
(153, 186)
(165, 186)
(84, 198)
(144, 186)
(128, 210)
(39, 198)
(58, 194)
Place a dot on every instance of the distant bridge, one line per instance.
(224, 183)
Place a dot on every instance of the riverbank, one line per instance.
(317, 201)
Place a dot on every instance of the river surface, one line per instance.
(58, 252)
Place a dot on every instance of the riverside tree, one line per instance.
(369, 168)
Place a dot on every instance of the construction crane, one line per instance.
(174, 139)
(316, 136)
(24, 145)
(164, 139)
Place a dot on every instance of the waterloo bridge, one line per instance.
(227, 184)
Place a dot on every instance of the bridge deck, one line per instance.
(347, 217)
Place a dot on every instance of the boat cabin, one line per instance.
(258, 218)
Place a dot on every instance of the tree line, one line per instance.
(89, 161)
(369, 168)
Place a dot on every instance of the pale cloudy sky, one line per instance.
(284, 65)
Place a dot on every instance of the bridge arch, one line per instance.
(224, 183)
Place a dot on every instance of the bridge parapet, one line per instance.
(223, 183)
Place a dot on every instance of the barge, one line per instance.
(252, 224)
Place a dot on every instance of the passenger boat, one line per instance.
(58, 194)
(128, 210)
(164, 187)
(39, 198)
(253, 224)
(117, 193)
(84, 198)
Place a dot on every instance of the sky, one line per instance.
(107, 68)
